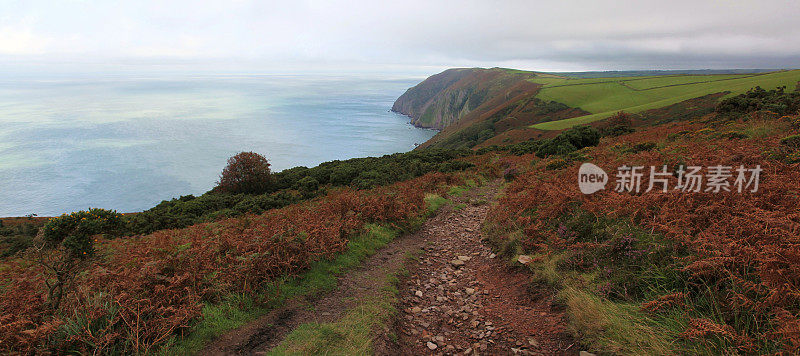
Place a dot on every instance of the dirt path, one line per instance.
(462, 300)
(368, 279)
(456, 299)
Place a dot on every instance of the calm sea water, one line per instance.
(127, 143)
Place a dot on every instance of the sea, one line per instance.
(127, 142)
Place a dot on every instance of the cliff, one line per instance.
(473, 106)
(444, 98)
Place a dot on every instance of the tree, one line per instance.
(246, 172)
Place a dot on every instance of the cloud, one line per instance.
(568, 34)
(21, 42)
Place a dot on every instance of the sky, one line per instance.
(396, 36)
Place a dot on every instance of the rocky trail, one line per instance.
(461, 299)
(457, 299)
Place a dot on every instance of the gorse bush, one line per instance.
(246, 172)
(64, 246)
(74, 230)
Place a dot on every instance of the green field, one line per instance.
(605, 96)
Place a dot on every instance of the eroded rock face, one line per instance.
(429, 97)
(444, 98)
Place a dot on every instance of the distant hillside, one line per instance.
(652, 73)
(476, 107)
(472, 106)
(445, 98)
(603, 97)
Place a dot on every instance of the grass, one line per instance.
(237, 310)
(434, 202)
(601, 324)
(457, 190)
(602, 321)
(616, 328)
(353, 334)
(350, 335)
(603, 97)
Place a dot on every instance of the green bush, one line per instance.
(307, 185)
(74, 231)
(582, 136)
(557, 146)
(775, 100)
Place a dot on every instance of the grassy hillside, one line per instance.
(478, 108)
(603, 97)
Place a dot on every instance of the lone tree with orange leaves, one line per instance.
(246, 172)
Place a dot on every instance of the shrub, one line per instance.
(775, 100)
(246, 172)
(791, 141)
(617, 125)
(66, 243)
(74, 231)
(557, 146)
(556, 164)
(582, 136)
(307, 185)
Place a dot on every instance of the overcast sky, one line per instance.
(408, 35)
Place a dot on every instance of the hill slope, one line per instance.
(447, 97)
(474, 105)
(482, 107)
(604, 96)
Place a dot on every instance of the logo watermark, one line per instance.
(591, 178)
(711, 179)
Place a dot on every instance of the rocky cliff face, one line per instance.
(475, 107)
(444, 98)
